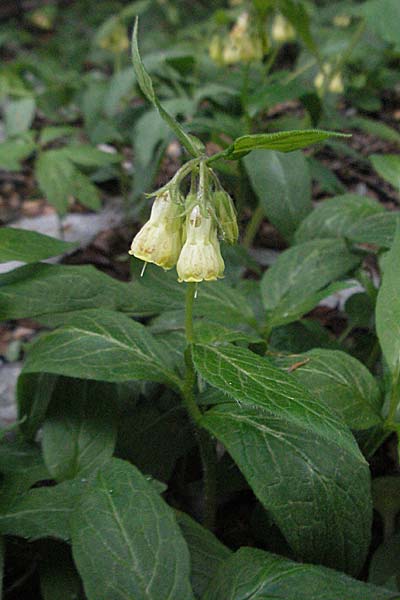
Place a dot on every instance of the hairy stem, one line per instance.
(205, 443)
(253, 226)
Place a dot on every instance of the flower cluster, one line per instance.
(242, 45)
(185, 232)
(324, 77)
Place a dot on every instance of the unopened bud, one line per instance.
(160, 239)
(226, 216)
(200, 258)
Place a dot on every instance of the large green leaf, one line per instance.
(339, 381)
(388, 167)
(55, 174)
(282, 184)
(126, 542)
(39, 289)
(102, 345)
(79, 432)
(18, 115)
(207, 553)
(89, 156)
(259, 575)
(388, 307)
(13, 151)
(33, 397)
(42, 512)
(377, 229)
(335, 216)
(293, 452)
(29, 246)
(383, 18)
(283, 141)
(295, 283)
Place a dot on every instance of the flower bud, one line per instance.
(200, 258)
(226, 216)
(282, 30)
(160, 239)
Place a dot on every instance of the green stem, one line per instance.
(206, 446)
(252, 227)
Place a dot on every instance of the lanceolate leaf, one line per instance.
(283, 186)
(283, 141)
(126, 542)
(207, 553)
(340, 382)
(299, 273)
(79, 432)
(42, 512)
(40, 290)
(146, 86)
(101, 345)
(33, 396)
(294, 453)
(388, 307)
(255, 574)
(29, 246)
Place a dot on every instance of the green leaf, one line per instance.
(259, 575)
(296, 13)
(388, 307)
(49, 134)
(293, 451)
(86, 192)
(40, 289)
(282, 184)
(125, 540)
(283, 141)
(153, 438)
(79, 432)
(89, 156)
(378, 229)
(383, 17)
(339, 381)
(42, 512)
(120, 87)
(29, 246)
(12, 152)
(146, 86)
(336, 216)
(55, 174)
(2, 553)
(207, 553)
(33, 397)
(102, 345)
(388, 167)
(296, 281)
(18, 115)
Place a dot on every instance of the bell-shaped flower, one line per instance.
(160, 239)
(200, 258)
(282, 31)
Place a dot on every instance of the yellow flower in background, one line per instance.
(160, 239)
(335, 84)
(342, 20)
(282, 31)
(200, 258)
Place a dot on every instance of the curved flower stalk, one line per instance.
(200, 258)
(160, 239)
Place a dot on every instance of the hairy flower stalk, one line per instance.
(160, 239)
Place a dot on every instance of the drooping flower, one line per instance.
(282, 31)
(335, 84)
(160, 239)
(200, 258)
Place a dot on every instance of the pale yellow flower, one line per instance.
(160, 239)
(282, 30)
(200, 258)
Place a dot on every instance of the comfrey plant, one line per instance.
(169, 422)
